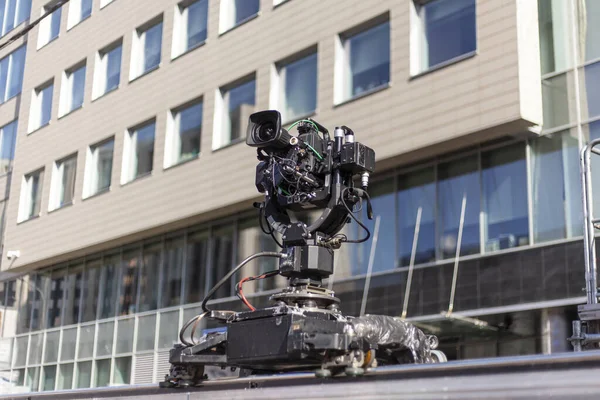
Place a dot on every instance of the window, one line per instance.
(236, 12)
(13, 13)
(146, 49)
(91, 290)
(73, 89)
(504, 179)
(31, 195)
(129, 282)
(296, 88)
(109, 284)
(8, 134)
(190, 26)
(417, 208)
(197, 260)
(107, 74)
(78, 11)
(458, 184)
(41, 106)
(556, 103)
(11, 74)
(362, 61)
(149, 278)
(441, 30)
(62, 187)
(138, 153)
(233, 107)
(172, 273)
(49, 26)
(556, 35)
(222, 259)
(184, 130)
(98, 168)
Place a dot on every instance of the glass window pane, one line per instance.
(32, 379)
(56, 300)
(300, 88)
(86, 8)
(556, 100)
(152, 47)
(196, 24)
(190, 131)
(240, 104)
(46, 104)
(24, 10)
(555, 35)
(369, 59)
(51, 349)
(245, 9)
(77, 88)
(41, 285)
(86, 341)
(146, 332)
(109, 282)
(122, 372)
(73, 294)
(18, 377)
(84, 374)
(149, 277)
(102, 373)
(17, 66)
(197, 259)
(113, 68)
(26, 288)
(65, 376)
(589, 87)
(91, 289)
(222, 250)
(125, 336)
(504, 177)
(7, 146)
(144, 149)
(67, 351)
(416, 191)
(35, 349)
(589, 11)
(457, 181)
(172, 273)
(168, 329)
(449, 30)
(55, 23)
(556, 188)
(129, 279)
(49, 379)
(106, 333)
(6, 348)
(4, 63)
(20, 353)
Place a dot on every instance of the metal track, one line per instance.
(562, 376)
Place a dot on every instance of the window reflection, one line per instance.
(555, 35)
(222, 251)
(197, 264)
(172, 272)
(91, 290)
(416, 191)
(74, 282)
(504, 177)
(109, 284)
(458, 180)
(129, 279)
(149, 277)
(56, 301)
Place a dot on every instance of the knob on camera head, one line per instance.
(303, 173)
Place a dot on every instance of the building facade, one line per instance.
(133, 187)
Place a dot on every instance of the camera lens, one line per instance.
(266, 132)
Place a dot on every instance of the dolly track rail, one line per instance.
(476, 372)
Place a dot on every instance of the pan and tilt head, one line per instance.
(304, 328)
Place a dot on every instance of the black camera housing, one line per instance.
(265, 131)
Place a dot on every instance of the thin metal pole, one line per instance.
(589, 230)
(363, 304)
(411, 265)
(458, 245)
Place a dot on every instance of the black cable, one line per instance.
(233, 271)
(33, 24)
(355, 219)
(271, 231)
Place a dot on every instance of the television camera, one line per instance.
(304, 329)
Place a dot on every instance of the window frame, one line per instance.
(172, 156)
(226, 7)
(128, 172)
(26, 202)
(342, 65)
(75, 16)
(45, 28)
(91, 166)
(101, 69)
(179, 45)
(67, 89)
(56, 183)
(137, 68)
(36, 107)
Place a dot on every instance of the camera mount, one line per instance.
(305, 328)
